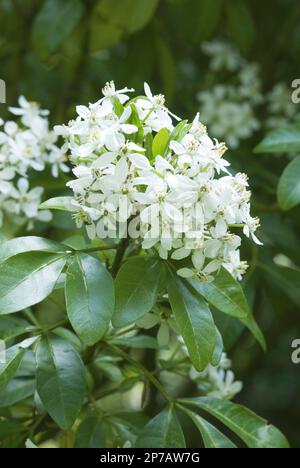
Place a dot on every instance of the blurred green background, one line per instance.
(61, 53)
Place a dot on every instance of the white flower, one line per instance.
(25, 148)
(185, 203)
(217, 382)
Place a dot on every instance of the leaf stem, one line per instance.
(98, 249)
(119, 256)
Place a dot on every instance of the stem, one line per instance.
(98, 249)
(119, 256)
(56, 325)
(143, 371)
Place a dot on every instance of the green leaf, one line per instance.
(285, 279)
(141, 13)
(283, 140)
(203, 19)
(90, 433)
(163, 431)
(252, 429)
(139, 342)
(16, 390)
(227, 295)
(211, 436)
(289, 186)
(224, 293)
(112, 19)
(60, 380)
(137, 285)
(12, 358)
(195, 323)
(180, 131)
(160, 142)
(28, 278)
(241, 25)
(89, 297)
(54, 22)
(58, 203)
(28, 244)
(218, 351)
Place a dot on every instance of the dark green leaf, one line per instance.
(211, 436)
(9, 364)
(241, 25)
(163, 431)
(139, 341)
(289, 186)
(27, 279)
(224, 293)
(283, 140)
(60, 380)
(89, 297)
(54, 22)
(17, 390)
(137, 285)
(195, 323)
(90, 433)
(252, 429)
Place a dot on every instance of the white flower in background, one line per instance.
(280, 106)
(230, 109)
(217, 382)
(223, 56)
(26, 147)
(184, 203)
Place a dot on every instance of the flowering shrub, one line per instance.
(171, 185)
(160, 262)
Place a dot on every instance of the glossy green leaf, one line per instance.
(90, 433)
(289, 186)
(283, 140)
(195, 322)
(54, 22)
(16, 390)
(60, 380)
(211, 436)
(34, 272)
(28, 244)
(90, 297)
(163, 431)
(9, 364)
(224, 293)
(227, 295)
(137, 285)
(139, 341)
(253, 430)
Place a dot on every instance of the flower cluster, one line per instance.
(26, 147)
(169, 185)
(231, 109)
